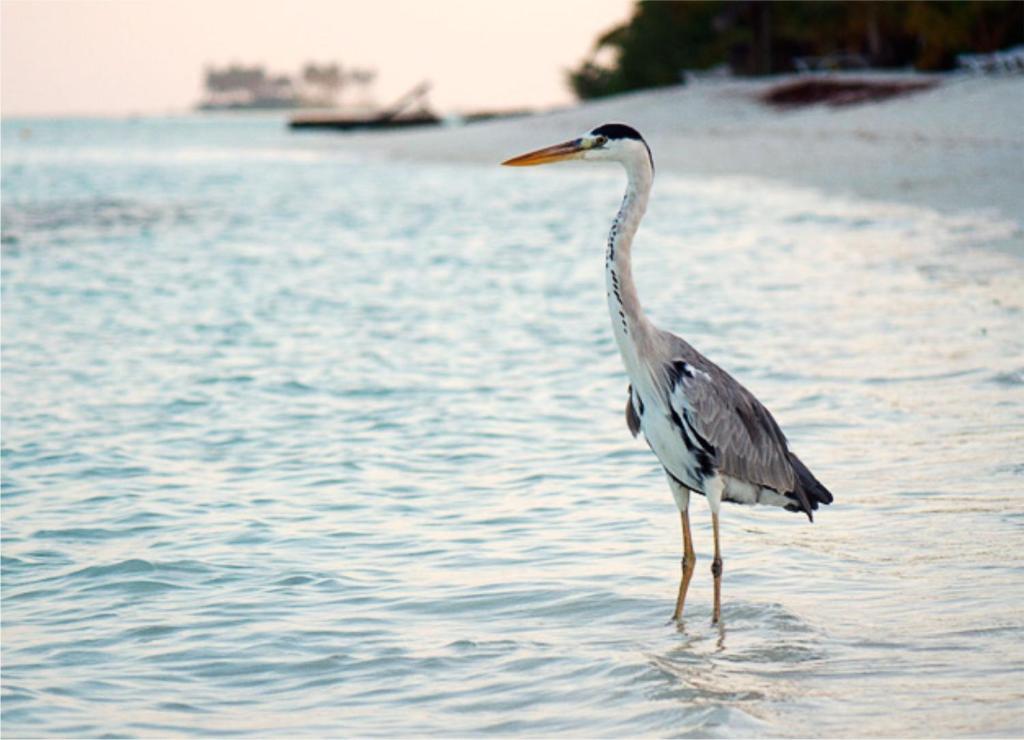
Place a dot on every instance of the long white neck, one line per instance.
(628, 320)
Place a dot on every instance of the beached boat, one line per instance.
(401, 114)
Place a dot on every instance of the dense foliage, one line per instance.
(663, 39)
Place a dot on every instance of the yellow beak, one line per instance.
(557, 153)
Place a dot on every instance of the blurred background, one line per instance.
(112, 58)
(153, 57)
(312, 417)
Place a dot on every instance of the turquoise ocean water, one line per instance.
(299, 441)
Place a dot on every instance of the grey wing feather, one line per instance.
(748, 443)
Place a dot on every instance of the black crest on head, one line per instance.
(622, 131)
(618, 131)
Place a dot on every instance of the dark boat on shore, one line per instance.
(398, 115)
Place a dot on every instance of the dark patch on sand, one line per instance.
(840, 92)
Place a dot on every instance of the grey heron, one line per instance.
(711, 435)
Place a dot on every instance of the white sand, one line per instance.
(957, 146)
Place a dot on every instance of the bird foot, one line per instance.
(677, 621)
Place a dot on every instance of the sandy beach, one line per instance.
(959, 145)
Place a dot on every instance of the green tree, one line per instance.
(652, 49)
(662, 39)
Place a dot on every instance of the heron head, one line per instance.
(615, 142)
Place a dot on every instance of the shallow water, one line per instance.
(297, 441)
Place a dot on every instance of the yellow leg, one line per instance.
(716, 571)
(689, 561)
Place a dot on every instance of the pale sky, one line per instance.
(64, 57)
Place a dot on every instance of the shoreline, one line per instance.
(956, 146)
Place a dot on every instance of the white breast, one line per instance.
(662, 435)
